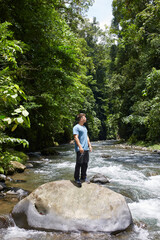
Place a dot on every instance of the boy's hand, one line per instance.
(81, 150)
(90, 148)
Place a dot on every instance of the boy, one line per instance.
(82, 148)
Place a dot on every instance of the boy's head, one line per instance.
(80, 115)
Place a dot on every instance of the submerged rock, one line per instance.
(106, 156)
(60, 205)
(99, 178)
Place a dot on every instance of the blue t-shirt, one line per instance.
(81, 131)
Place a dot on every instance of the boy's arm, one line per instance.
(89, 144)
(78, 143)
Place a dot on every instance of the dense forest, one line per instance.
(55, 63)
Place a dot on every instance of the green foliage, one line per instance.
(5, 159)
(12, 114)
(152, 95)
(64, 64)
(18, 156)
(98, 43)
(133, 87)
(73, 11)
(13, 141)
(1, 170)
(55, 80)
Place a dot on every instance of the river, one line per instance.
(133, 173)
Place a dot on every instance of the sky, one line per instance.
(102, 10)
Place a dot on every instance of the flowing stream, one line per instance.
(133, 173)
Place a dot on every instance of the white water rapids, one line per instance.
(133, 173)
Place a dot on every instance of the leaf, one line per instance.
(14, 127)
(2, 116)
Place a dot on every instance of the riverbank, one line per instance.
(140, 146)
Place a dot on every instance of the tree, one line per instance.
(98, 45)
(55, 79)
(137, 27)
(13, 112)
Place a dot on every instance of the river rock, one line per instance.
(99, 178)
(10, 171)
(49, 151)
(9, 179)
(2, 186)
(19, 167)
(60, 205)
(29, 165)
(2, 178)
(106, 156)
(16, 193)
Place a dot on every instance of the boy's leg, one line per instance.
(84, 165)
(79, 161)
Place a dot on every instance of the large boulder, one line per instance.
(60, 205)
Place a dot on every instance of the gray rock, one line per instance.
(2, 178)
(106, 156)
(16, 193)
(60, 205)
(2, 186)
(9, 179)
(99, 178)
(29, 165)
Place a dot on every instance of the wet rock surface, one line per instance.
(99, 178)
(62, 206)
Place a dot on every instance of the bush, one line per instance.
(11, 155)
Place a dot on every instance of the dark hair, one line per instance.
(80, 115)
